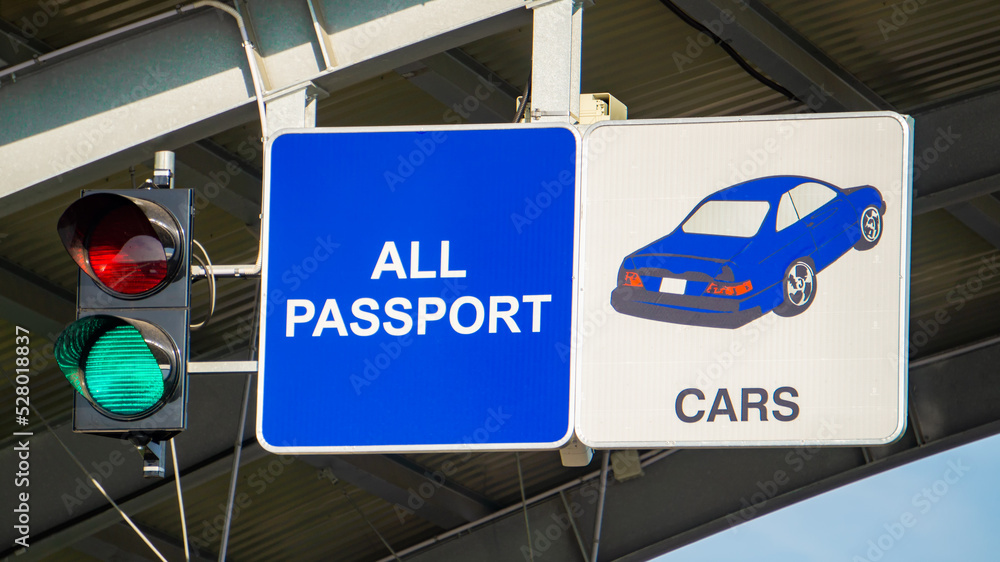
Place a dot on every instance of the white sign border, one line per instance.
(435, 448)
(906, 172)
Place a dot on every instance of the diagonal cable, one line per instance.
(180, 499)
(97, 485)
(365, 517)
(524, 507)
(756, 74)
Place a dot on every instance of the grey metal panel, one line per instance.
(399, 482)
(957, 393)
(659, 66)
(682, 492)
(15, 47)
(772, 45)
(65, 22)
(186, 79)
(286, 41)
(461, 83)
(981, 215)
(956, 194)
(222, 179)
(28, 300)
(120, 543)
(506, 539)
(910, 53)
(90, 108)
(954, 143)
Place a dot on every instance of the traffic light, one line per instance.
(126, 354)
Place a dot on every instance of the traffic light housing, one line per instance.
(126, 354)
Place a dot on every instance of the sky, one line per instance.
(944, 507)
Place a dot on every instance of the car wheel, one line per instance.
(798, 288)
(870, 224)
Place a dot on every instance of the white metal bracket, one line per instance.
(221, 367)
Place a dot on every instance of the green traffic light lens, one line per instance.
(111, 363)
(121, 373)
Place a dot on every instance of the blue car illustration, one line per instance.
(746, 250)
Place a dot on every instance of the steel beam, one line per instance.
(955, 145)
(982, 215)
(16, 47)
(460, 82)
(104, 550)
(555, 47)
(208, 189)
(62, 119)
(770, 44)
(293, 107)
(119, 542)
(222, 179)
(957, 194)
(556, 50)
(186, 78)
(34, 303)
(398, 481)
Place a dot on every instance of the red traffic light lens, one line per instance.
(125, 253)
(130, 246)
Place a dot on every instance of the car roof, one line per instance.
(770, 189)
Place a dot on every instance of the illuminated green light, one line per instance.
(121, 373)
(109, 362)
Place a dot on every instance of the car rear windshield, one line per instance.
(727, 218)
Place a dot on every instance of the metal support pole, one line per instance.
(575, 61)
(555, 96)
(600, 506)
(221, 367)
(555, 66)
(237, 450)
(248, 270)
(293, 108)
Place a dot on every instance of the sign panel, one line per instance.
(744, 281)
(418, 284)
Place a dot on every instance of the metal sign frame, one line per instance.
(589, 287)
(515, 156)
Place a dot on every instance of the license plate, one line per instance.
(674, 286)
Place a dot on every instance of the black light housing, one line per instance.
(127, 352)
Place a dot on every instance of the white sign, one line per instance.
(744, 281)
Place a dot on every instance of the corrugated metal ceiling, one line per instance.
(59, 23)
(911, 53)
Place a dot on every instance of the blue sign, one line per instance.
(418, 289)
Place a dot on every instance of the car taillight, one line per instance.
(729, 289)
(632, 279)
